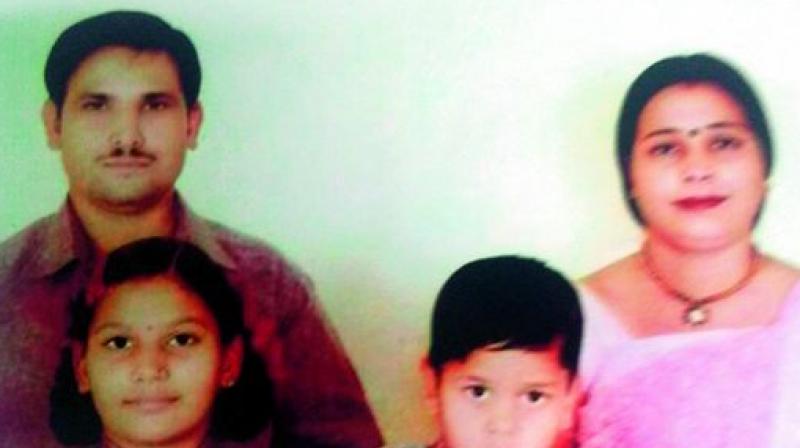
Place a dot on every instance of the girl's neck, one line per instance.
(697, 273)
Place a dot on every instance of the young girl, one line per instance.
(159, 356)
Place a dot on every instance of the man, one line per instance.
(122, 112)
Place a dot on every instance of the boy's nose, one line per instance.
(501, 418)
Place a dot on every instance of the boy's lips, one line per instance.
(699, 203)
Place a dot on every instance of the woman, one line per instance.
(684, 337)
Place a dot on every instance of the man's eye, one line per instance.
(118, 343)
(93, 105)
(157, 105)
(477, 391)
(183, 340)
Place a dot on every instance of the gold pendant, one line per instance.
(696, 315)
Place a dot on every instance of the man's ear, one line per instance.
(194, 120)
(430, 381)
(79, 367)
(232, 358)
(52, 124)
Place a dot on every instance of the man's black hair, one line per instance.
(239, 412)
(692, 69)
(504, 303)
(131, 29)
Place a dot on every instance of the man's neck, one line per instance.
(111, 228)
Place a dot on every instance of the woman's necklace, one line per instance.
(697, 311)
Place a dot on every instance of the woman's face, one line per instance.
(697, 171)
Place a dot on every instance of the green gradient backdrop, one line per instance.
(382, 144)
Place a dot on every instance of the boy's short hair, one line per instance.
(239, 412)
(504, 303)
(132, 29)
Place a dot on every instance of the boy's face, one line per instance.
(153, 362)
(505, 399)
(123, 129)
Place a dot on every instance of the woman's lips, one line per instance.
(699, 203)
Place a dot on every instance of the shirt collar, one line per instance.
(64, 239)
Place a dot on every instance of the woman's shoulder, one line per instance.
(611, 282)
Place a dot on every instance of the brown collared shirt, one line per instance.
(319, 399)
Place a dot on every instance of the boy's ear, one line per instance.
(52, 124)
(430, 381)
(572, 404)
(79, 367)
(232, 358)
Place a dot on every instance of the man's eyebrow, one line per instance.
(154, 96)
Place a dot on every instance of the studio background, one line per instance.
(379, 144)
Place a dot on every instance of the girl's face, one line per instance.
(153, 362)
(697, 171)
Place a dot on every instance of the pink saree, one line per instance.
(736, 388)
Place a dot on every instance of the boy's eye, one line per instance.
(183, 340)
(534, 396)
(118, 343)
(477, 391)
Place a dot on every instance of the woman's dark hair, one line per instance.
(692, 69)
(505, 303)
(239, 412)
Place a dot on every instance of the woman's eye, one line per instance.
(477, 392)
(118, 343)
(725, 142)
(183, 340)
(663, 149)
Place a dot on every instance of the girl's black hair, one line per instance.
(239, 412)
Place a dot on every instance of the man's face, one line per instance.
(505, 399)
(123, 129)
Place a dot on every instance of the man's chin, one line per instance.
(130, 202)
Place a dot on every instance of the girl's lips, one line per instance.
(151, 404)
(699, 203)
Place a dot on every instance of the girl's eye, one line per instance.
(726, 142)
(118, 343)
(183, 340)
(477, 391)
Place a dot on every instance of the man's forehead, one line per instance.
(115, 67)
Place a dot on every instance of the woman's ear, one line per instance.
(232, 358)
(79, 367)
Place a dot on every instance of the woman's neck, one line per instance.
(697, 273)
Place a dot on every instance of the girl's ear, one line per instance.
(79, 367)
(232, 357)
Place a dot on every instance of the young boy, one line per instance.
(505, 338)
